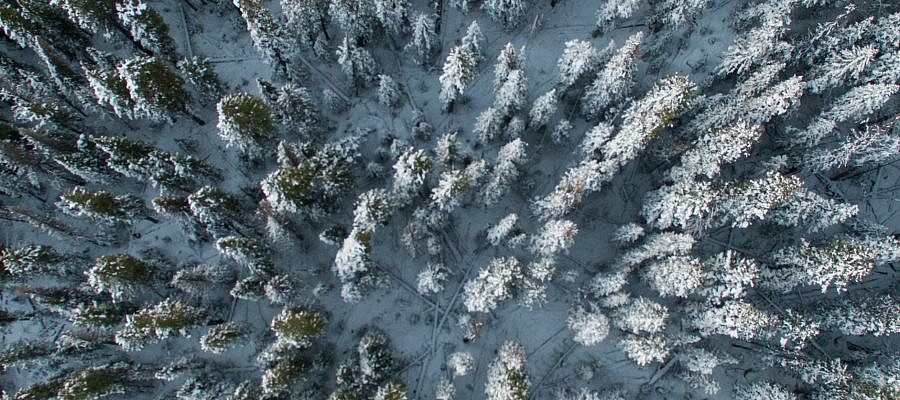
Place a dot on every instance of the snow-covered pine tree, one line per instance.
(474, 41)
(645, 349)
(671, 15)
(458, 72)
(837, 263)
(614, 81)
(146, 25)
(590, 326)
(410, 171)
(876, 316)
(714, 149)
(745, 202)
(33, 260)
(111, 90)
(611, 10)
(872, 146)
(812, 212)
(506, 378)
(294, 107)
(556, 236)
(841, 67)
(247, 252)
(727, 275)
(510, 159)
(648, 117)
(218, 211)
(677, 276)
(102, 206)
(92, 16)
(266, 32)
(197, 280)
(763, 390)
(393, 15)
(509, 13)
(734, 318)
(492, 285)
(685, 205)
(307, 18)
(430, 279)
(852, 106)
(357, 18)
(203, 77)
(157, 322)
(460, 363)
(424, 42)
(542, 109)
(577, 60)
(508, 60)
(222, 337)
(759, 45)
(388, 91)
(95, 382)
(245, 123)
(120, 275)
(157, 91)
(641, 315)
(511, 95)
(356, 62)
(298, 326)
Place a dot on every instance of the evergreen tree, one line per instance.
(245, 122)
(507, 61)
(578, 59)
(298, 326)
(265, 31)
(294, 107)
(556, 236)
(356, 62)
(202, 76)
(641, 315)
(155, 89)
(670, 15)
(410, 172)
(388, 91)
(216, 210)
(492, 285)
(510, 13)
(425, 41)
(511, 95)
(613, 83)
(102, 206)
(458, 72)
(590, 326)
(95, 382)
(222, 337)
(146, 26)
(837, 263)
(853, 106)
(714, 149)
(645, 349)
(677, 276)
(111, 90)
(611, 10)
(33, 260)
(430, 279)
(307, 18)
(247, 252)
(811, 212)
(120, 275)
(474, 41)
(873, 145)
(357, 18)
(542, 109)
(393, 15)
(93, 16)
(506, 379)
(763, 390)
(197, 280)
(510, 159)
(154, 323)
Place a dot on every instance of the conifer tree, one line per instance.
(95, 382)
(356, 62)
(542, 109)
(578, 59)
(265, 31)
(202, 76)
(474, 41)
(156, 90)
(247, 252)
(509, 13)
(120, 275)
(410, 171)
(837, 263)
(510, 159)
(393, 15)
(222, 337)
(556, 236)
(307, 18)
(590, 326)
(102, 206)
(298, 326)
(424, 42)
(458, 72)
(388, 91)
(611, 10)
(492, 285)
(147, 26)
(614, 81)
(357, 18)
(506, 379)
(245, 122)
(92, 16)
(157, 322)
(294, 107)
